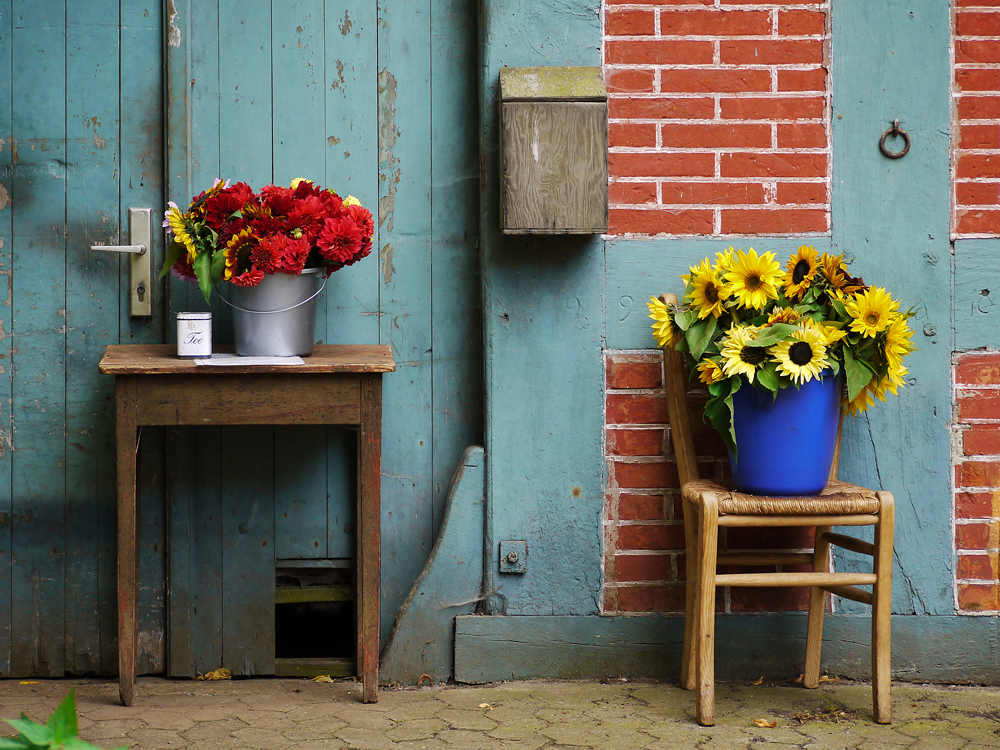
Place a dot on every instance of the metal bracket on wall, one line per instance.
(513, 557)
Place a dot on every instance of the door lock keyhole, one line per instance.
(141, 291)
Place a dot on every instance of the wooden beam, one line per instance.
(793, 579)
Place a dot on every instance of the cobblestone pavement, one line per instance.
(279, 713)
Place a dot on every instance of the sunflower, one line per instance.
(860, 403)
(239, 267)
(897, 346)
(835, 271)
(663, 325)
(708, 290)
(782, 315)
(723, 261)
(803, 357)
(178, 225)
(802, 268)
(871, 311)
(739, 355)
(753, 279)
(830, 334)
(710, 372)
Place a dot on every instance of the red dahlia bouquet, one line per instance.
(230, 233)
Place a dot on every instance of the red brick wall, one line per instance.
(976, 134)
(977, 480)
(644, 561)
(718, 116)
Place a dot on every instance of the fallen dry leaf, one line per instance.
(217, 674)
(764, 723)
(758, 680)
(430, 680)
(322, 678)
(487, 706)
(30, 682)
(799, 679)
(824, 678)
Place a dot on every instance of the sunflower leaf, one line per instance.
(203, 270)
(719, 411)
(683, 319)
(218, 266)
(700, 334)
(839, 306)
(773, 335)
(174, 251)
(768, 377)
(859, 374)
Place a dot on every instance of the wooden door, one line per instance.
(80, 141)
(374, 100)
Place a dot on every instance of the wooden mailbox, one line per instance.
(553, 151)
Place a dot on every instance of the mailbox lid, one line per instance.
(552, 83)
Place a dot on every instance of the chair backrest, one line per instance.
(676, 383)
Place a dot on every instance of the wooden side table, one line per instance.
(337, 385)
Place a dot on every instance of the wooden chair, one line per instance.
(708, 506)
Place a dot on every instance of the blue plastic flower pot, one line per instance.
(785, 444)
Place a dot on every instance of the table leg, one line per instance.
(126, 445)
(369, 515)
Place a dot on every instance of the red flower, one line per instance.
(218, 208)
(340, 240)
(182, 269)
(280, 200)
(307, 216)
(250, 278)
(295, 255)
(363, 218)
(267, 255)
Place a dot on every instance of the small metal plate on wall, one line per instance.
(513, 557)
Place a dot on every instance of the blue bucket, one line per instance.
(785, 444)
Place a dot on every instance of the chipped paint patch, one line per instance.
(173, 30)
(13, 149)
(385, 254)
(333, 140)
(345, 27)
(4, 198)
(388, 163)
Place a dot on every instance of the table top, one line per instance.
(161, 359)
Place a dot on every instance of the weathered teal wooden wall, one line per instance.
(373, 101)
(551, 305)
(80, 144)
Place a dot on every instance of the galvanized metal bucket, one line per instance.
(277, 318)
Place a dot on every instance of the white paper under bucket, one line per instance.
(277, 318)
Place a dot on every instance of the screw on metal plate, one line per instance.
(894, 131)
(513, 557)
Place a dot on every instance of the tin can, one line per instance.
(194, 335)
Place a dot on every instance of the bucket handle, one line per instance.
(284, 309)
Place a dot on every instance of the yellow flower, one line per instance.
(663, 326)
(178, 227)
(860, 403)
(739, 355)
(723, 261)
(897, 346)
(351, 201)
(708, 290)
(782, 315)
(709, 372)
(871, 311)
(839, 279)
(830, 334)
(802, 268)
(753, 279)
(803, 357)
(297, 180)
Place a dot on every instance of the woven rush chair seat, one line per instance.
(836, 499)
(709, 506)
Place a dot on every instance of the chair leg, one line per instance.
(708, 542)
(882, 610)
(689, 667)
(817, 608)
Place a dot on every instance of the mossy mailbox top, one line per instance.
(553, 151)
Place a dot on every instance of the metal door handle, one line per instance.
(140, 222)
(134, 249)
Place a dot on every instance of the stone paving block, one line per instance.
(423, 709)
(469, 698)
(324, 744)
(365, 739)
(164, 718)
(514, 729)
(416, 729)
(257, 718)
(467, 719)
(268, 739)
(572, 734)
(315, 729)
(157, 738)
(205, 730)
(513, 710)
(111, 728)
(363, 718)
(432, 744)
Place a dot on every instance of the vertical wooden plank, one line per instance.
(298, 145)
(404, 220)
(351, 157)
(248, 552)
(878, 76)
(6, 425)
(94, 290)
(142, 184)
(457, 339)
(245, 153)
(195, 523)
(39, 360)
(369, 569)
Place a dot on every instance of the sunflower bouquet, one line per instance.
(230, 233)
(747, 322)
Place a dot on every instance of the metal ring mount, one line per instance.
(894, 131)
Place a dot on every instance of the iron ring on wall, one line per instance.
(894, 131)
